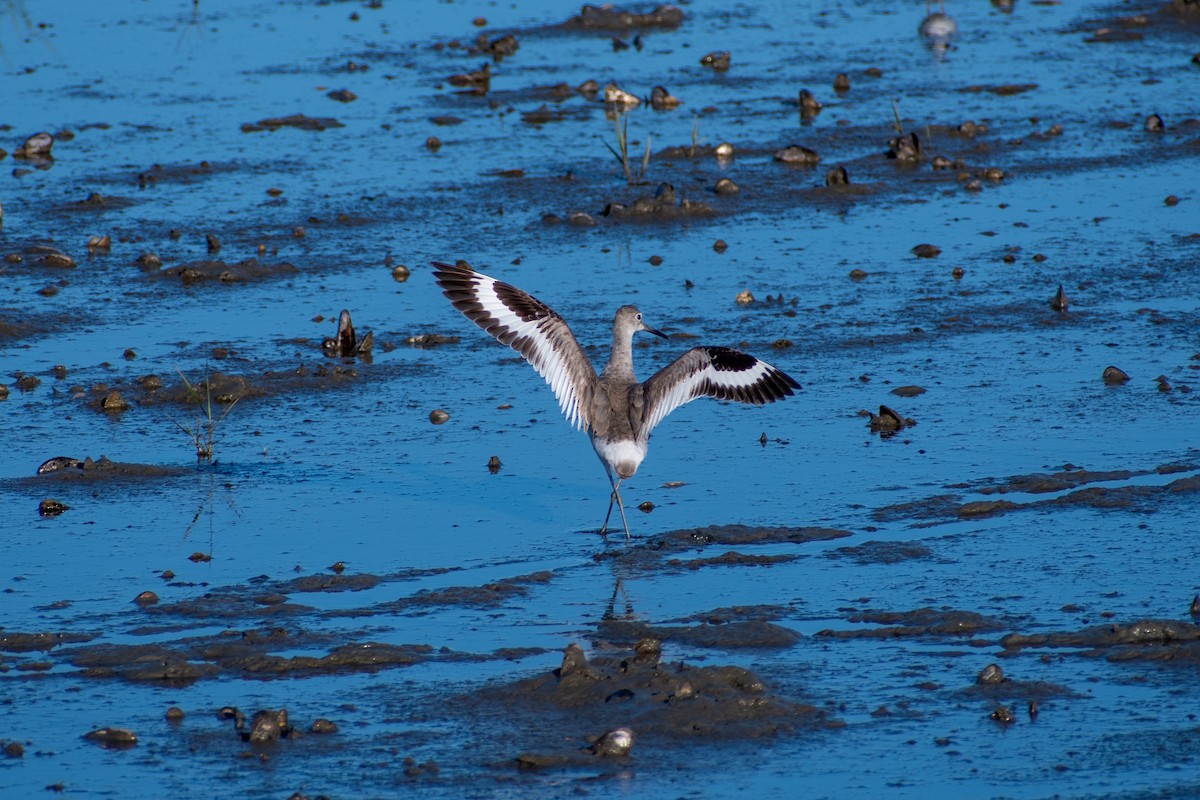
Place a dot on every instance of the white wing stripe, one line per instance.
(694, 375)
(538, 339)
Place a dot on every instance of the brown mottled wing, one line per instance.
(528, 326)
(712, 372)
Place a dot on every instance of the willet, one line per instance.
(617, 412)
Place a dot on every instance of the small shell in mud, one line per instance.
(1194, 609)
(720, 246)
(723, 150)
(957, 273)
(1154, 123)
(146, 598)
(433, 144)
(148, 261)
(992, 673)
(744, 298)
(809, 104)
(726, 186)
(51, 507)
(114, 403)
(57, 463)
(888, 420)
(1115, 376)
(1004, 715)
(841, 83)
(662, 100)
(941, 162)
(648, 646)
(1033, 710)
(175, 714)
(99, 244)
(615, 743)
(994, 174)
(116, 738)
(797, 154)
(926, 251)
(494, 464)
(438, 416)
(400, 273)
(213, 243)
(574, 660)
(36, 146)
(322, 725)
(1059, 301)
(718, 60)
(646, 507)
(616, 96)
(837, 177)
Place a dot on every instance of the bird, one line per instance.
(616, 411)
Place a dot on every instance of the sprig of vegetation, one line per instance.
(621, 152)
(203, 431)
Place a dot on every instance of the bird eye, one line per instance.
(639, 316)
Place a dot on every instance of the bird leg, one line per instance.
(615, 497)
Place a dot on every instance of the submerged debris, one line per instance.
(346, 342)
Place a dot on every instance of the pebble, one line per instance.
(656, 261)
(433, 144)
(720, 246)
(615, 743)
(1004, 715)
(51, 507)
(718, 60)
(797, 154)
(146, 598)
(726, 186)
(113, 402)
(112, 737)
(724, 150)
(494, 464)
(175, 714)
(438, 416)
(841, 83)
(744, 297)
(1059, 302)
(400, 273)
(837, 177)
(927, 251)
(992, 673)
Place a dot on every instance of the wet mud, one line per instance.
(967, 233)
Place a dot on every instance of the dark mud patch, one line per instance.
(738, 634)
(1136, 498)
(916, 623)
(1163, 640)
(208, 272)
(662, 703)
(489, 595)
(87, 470)
(298, 121)
(755, 613)
(657, 552)
(19, 642)
(730, 559)
(881, 552)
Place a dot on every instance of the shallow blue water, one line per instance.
(356, 473)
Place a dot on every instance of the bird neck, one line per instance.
(620, 363)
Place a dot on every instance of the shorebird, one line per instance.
(616, 411)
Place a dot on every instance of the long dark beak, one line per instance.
(655, 331)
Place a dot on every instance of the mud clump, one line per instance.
(249, 270)
(882, 552)
(1147, 639)
(662, 206)
(730, 635)
(919, 622)
(610, 18)
(299, 121)
(103, 468)
(658, 702)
